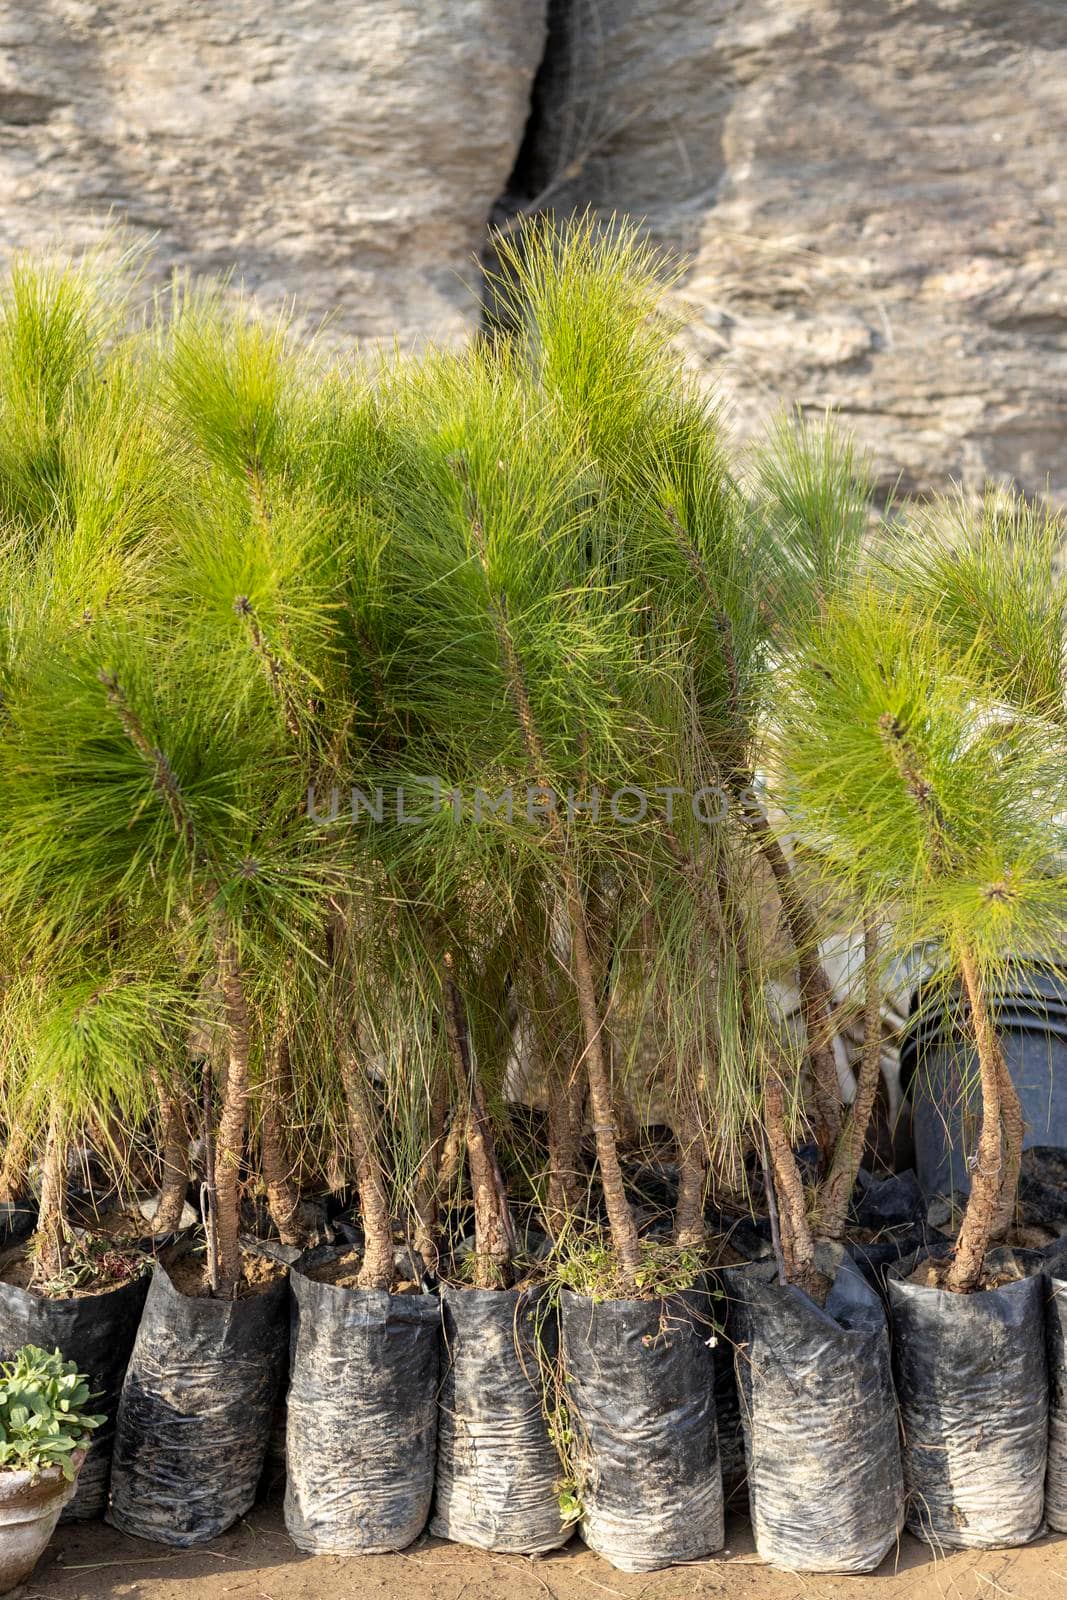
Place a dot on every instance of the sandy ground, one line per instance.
(256, 1561)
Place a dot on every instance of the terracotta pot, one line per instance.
(29, 1512)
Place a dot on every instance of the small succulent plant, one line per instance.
(43, 1420)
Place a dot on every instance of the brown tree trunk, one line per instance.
(620, 1217)
(815, 997)
(287, 1210)
(379, 1256)
(50, 1249)
(175, 1158)
(692, 1183)
(426, 1200)
(836, 1190)
(564, 1147)
(984, 1202)
(16, 1165)
(233, 1121)
(493, 1233)
(798, 1243)
(1011, 1118)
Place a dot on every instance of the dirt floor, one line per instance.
(256, 1561)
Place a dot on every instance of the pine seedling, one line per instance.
(941, 817)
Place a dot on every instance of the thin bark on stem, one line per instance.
(772, 1208)
(1013, 1126)
(378, 1267)
(287, 1209)
(493, 1233)
(692, 1182)
(50, 1251)
(426, 1200)
(16, 1165)
(233, 1119)
(564, 1147)
(814, 987)
(984, 1202)
(175, 1157)
(812, 982)
(836, 1190)
(798, 1242)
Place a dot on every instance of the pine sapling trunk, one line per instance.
(175, 1157)
(233, 1121)
(621, 1221)
(564, 1147)
(51, 1247)
(493, 1232)
(814, 988)
(16, 1165)
(378, 1267)
(287, 1209)
(692, 1182)
(426, 1199)
(815, 995)
(836, 1191)
(798, 1241)
(1011, 1118)
(984, 1206)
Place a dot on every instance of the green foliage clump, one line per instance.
(43, 1416)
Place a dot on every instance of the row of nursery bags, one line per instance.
(506, 1419)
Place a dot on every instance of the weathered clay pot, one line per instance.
(29, 1512)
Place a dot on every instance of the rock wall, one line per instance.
(872, 193)
(343, 154)
(874, 197)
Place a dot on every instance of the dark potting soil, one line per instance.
(110, 1267)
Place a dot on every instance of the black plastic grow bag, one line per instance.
(641, 1388)
(196, 1407)
(972, 1384)
(497, 1471)
(96, 1331)
(361, 1438)
(1056, 1348)
(824, 1474)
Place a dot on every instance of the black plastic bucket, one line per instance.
(939, 1072)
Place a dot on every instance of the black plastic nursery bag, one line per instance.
(641, 1387)
(819, 1414)
(361, 1438)
(195, 1413)
(497, 1471)
(97, 1332)
(973, 1388)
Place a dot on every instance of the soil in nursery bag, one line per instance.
(641, 1393)
(824, 1473)
(361, 1438)
(972, 1383)
(195, 1414)
(93, 1324)
(497, 1472)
